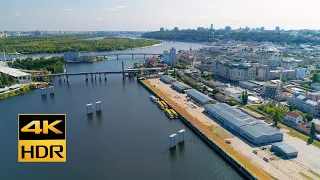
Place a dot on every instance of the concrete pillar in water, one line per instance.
(117, 57)
(144, 56)
(123, 75)
(89, 108)
(181, 135)
(86, 77)
(98, 106)
(132, 56)
(105, 77)
(100, 76)
(51, 90)
(172, 141)
(43, 91)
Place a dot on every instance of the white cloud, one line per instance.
(67, 10)
(16, 13)
(116, 8)
(100, 18)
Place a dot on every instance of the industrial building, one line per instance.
(249, 85)
(284, 149)
(254, 130)
(180, 87)
(167, 79)
(22, 77)
(200, 98)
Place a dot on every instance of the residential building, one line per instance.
(303, 104)
(231, 70)
(175, 29)
(211, 27)
(165, 57)
(228, 29)
(285, 74)
(252, 72)
(161, 29)
(277, 29)
(302, 73)
(263, 73)
(315, 86)
(173, 57)
(314, 96)
(270, 91)
(293, 117)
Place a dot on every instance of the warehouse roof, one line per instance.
(249, 83)
(168, 78)
(180, 85)
(199, 96)
(286, 148)
(13, 72)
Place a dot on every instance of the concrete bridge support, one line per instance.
(132, 56)
(117, 57)
(105, 77)
(123, 75)
(86, 77)
(153, 56)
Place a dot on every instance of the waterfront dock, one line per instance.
(239, 161)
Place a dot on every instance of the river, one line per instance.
(129, 140)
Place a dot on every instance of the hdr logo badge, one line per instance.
(42, 138)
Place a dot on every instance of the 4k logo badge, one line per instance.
(42, 138)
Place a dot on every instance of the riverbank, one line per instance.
(24, 89)
(240, 162)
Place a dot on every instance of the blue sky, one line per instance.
(151, 15)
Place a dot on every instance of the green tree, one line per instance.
(166, 72)
(244, 98)
(309, 117)
(313, 130)
(276, 117)
(204, 89)
(291, 107)
(315, 77)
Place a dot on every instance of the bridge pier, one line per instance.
(87, 77)
(144, 56)
(153, 55)
(117, 57)
(100, 76)
(91, 77)
(123, 75)
(105, 77)
(132, 56)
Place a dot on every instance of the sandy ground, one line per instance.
(277, 167)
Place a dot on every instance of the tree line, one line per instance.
(64, 43)
(53, 64)
(208, 36)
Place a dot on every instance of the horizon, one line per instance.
(141, 15)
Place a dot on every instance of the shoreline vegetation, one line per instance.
(64, 43)
(218, 35)
(22, 90)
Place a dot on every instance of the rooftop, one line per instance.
(13, 72)
(233, 90)
(286, 148)
(199, 96)
(292, 114)
(180, 85)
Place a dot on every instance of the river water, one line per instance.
(129, 140)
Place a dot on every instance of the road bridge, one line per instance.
(132, 54)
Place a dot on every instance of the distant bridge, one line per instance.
(131, 54)
(128, 71)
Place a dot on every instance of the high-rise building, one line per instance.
(277, 28)
(262, 29)
(161, 29)
(173, 57)
(211, 27)
(200, 29)
(176, 29)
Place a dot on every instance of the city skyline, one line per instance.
(142, 15)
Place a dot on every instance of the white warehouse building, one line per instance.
(22, 77)
(256, 131)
